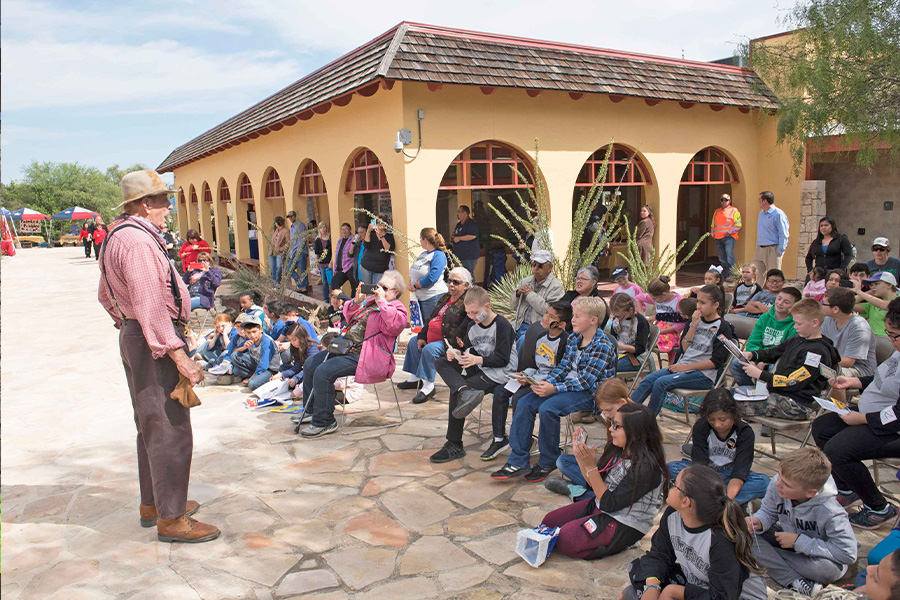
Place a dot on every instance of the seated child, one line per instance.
(249, 306)
(589, 360)
(631, 331)
(544, 348)
(724, 441)
(216, 341)
(860, 272)
(713, 276)
(745, 289)
(804, 536)
(872, 305)
(624, 285)
(834, 278)
(336, 319)
(763, 300)
(815, 288)
(272, 310)
(257, 359)
(686, 308)
(702, 548)
(484, 361)
(704, 355)
(670, 322)
(883, 579)
(797, 376)
(610, 397)
(629, 481)
(236, 338)
(291, 314)
(301, 348)
(770, 330)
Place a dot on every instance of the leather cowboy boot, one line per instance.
(185, 529)
(148, 512)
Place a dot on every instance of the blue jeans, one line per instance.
(205, 351)
(195, 302)
(569, 469)
(754, 487)
(661, 381)
(367, 276)
(298, 267)
(725, 250)
(427, 307)
(469, 264)
(624, 365)
(549, 410)
(319, 376)
(421, 362)
(244, 366)
(277, 266)
(520, 337)
(326, 285)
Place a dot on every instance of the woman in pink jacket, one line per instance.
(373, 324)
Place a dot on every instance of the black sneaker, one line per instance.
(557, 485)
(538, 473)
(421, 397)
(847, 499)
(408, 385)
(450, 451)
(495, 448)
(508, 472)
(866, 518)
(468, 400)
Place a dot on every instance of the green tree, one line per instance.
(839, 73)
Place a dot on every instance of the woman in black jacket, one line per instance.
(830, 250)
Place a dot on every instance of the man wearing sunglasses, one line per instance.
(534, 294)
(883, 261)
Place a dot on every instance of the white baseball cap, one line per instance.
(882, 241)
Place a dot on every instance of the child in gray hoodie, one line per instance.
(805, 540)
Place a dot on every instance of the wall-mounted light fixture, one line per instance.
(404, 138)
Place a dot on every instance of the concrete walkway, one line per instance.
(362, 516)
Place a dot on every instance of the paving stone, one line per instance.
(303, 582)
(59, 575)
(375, 528)
(436, 480)
(335, 462)
(360, 567)
(413, 463)
(416, 507)
(425, 427)
(464, 578)
(498, 549)
(380, 484)
(212, 584)
(479, 523)
(346, 507)
(258, 541)
(535, 493)
(336, 595)
(248, 521)
(343, 479)
(395, 441)
(297, 505)
(262, 567)
(559, 572)
(432, 553)
(481, 594)
(473, 490)
(311, 534)
(416, 587)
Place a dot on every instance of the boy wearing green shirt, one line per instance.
(771, 329)
(872, 305)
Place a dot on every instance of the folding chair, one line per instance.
(649, 363)
(779, 426)
(213, 310)
(688, 394)
(343, 422)
(743, 327)
(729, 300)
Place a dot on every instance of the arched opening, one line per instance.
(248, 205)
(478, 177)
(194, 211)
(208, 222)
(369, 185)
(223, 211)
(313, 198)
(708, 175)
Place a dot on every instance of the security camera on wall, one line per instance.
(404, 137)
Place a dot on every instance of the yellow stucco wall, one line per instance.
(666, 136)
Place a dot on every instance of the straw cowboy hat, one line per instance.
(140, 184)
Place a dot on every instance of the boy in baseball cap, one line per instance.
(873, 304)
(883, 261)
(624, 285)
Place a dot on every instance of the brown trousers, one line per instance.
(164, 438)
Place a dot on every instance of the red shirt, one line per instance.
(189, 255)
(434, 325)
(99, 235)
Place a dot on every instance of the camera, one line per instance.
(368, 288)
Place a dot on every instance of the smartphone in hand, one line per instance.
(580, 434)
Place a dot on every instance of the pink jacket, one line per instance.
(376, 360)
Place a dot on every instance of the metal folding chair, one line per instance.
(687, 394)
(649, 363)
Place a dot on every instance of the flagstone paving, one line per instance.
(363, 516)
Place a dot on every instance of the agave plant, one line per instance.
(663, 263)
(409, 246)
(502, 291)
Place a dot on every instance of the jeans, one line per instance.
(520, 337)
(754, 487)
(657, 383)
(205, 351)
(340, 277)
(277, 265)
(500, 408)
(299, 264)
(421, 362)
(469, 264)
(427, 307)
(244, 366)
(326, 286)
(87, 247)
(452, 375)
(624, 365)
(196, 302)
(725, 250)
(367, 276)
(549, 410)
(319, 376)
(568, 468)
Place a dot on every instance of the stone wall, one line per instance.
(812, 208)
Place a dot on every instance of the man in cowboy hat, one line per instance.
(149, 303)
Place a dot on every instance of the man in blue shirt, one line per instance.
(299, 253)
(465, 240)
(772, 232)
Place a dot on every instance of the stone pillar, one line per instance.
(812, 208)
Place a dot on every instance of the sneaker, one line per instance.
(468, 400)
(421, 397)
(260, 402)
(313, 431)
(307, 418)
(765, 431)
(557, 485)
(450, 451)
(508, 472)
(805, 587)
(495, 448)
(408, 385)
(222, 368)
(847, 499)
(866, 518)
(538, 473)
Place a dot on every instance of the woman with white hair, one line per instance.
(586, 285)
(446, 321)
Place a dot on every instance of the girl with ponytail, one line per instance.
(702, 548)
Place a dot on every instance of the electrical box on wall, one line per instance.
(889, 205)
(861, 231)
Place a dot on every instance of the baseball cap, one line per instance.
(882, 241)
(619, 272)
(884, 276)
(542, 256)
(251, 320)
(291, 213)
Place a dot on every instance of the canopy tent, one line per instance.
(76, 212)
(26, 214)
(4, 212)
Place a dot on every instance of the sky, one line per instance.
(103, 82)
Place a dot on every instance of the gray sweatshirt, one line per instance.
(822, 524)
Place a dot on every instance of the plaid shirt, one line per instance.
(137, 270)
(596, 363)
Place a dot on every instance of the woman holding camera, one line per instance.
(378, 247)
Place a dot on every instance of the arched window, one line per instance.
(194, 196)
(488, 166)
(710, 166)
(366, 175)
(245, 192)
(312, 187)
(224, 194)
(625, 168)
(273, 189)
(207, 194)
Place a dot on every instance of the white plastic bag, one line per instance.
(535, 545)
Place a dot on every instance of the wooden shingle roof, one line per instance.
(424, 53)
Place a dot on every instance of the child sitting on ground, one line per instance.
(249, 306)
(256, 360)
(804, 537)
(770, 330)
(301, 348)
(624, 285)
(815, 288)
(763, 300)
(631, 331)
(629, 481)
(272, 310)
(704, 354)
(702, 548)
(236, 338)
(746, 289)
(798, 375)
(216, 341)
(544, 348)
(724, 441)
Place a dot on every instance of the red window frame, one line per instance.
(710, 166)
(312, 184)
(273, 189)
(224, 193)
(366, 175)
(245, 191)
(488, 166)
(207, 195)
(194, 196)
(625, 168)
